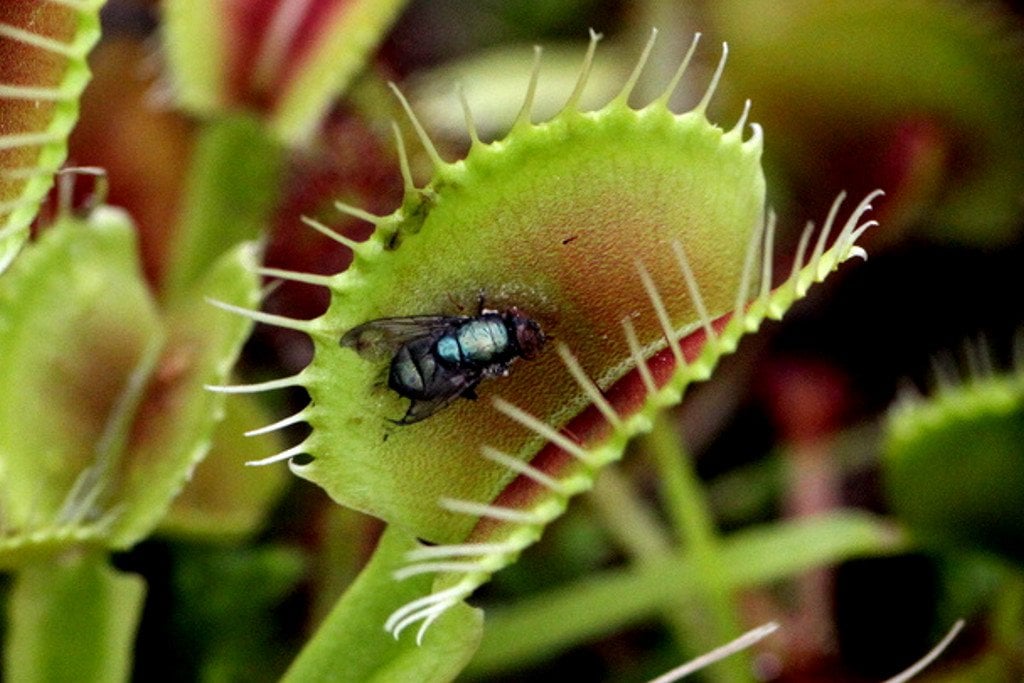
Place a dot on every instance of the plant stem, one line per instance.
(1008, 614)
(688, 508)
(233, 184)
(350, 645)
(640, 534)
(72, 619)
(632, 523)
(550, 622)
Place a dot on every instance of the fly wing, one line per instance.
(383, 337)
(453, 387)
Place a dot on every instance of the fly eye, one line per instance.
(530, 339)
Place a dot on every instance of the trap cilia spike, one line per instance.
(636, 239)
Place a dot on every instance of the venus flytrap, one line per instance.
(99, 461)
(953, 467)
(637, 238)
(106, 422)
(501, 221)
(954, 461)
(531, 502)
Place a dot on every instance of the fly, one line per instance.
(435, 359)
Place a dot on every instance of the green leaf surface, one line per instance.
(174, 427)
(43, 47)
(352, 645)
(72, 619)
(79, 334)
(195, 40)
(954, 466)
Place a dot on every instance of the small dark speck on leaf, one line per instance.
(393, 242)
(570, 238)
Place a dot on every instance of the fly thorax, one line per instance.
(481, 341)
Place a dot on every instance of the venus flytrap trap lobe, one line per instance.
(964, 439)
(79, 464)
(394, 229)
(43, 49)
(578, 221)
(550, 496)
(109, 423)
(60, 455)
(286, 60)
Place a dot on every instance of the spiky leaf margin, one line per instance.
(43, 46)
(550, 219)
(558, 453)
(954, 461)
(108, 415)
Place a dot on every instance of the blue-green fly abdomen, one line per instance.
(414, 368)
(448, 349)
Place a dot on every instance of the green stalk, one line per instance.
(233, 185)
(537, 628)
(1008, 614)
(638, 532)
(633, 524)
(351, 646)
(72, 619)
(690, 512)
